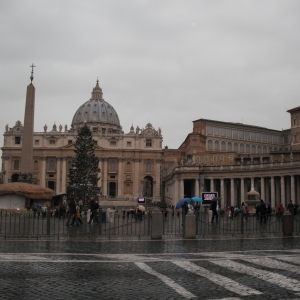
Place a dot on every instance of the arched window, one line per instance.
(113, 166)
(270, 149)
(265, 149)
(248, 148)
(148, 167)
(210, 144)
(36, 165)
(16, 164)
(275, 149)
(253, 149)
(242, 147)
(51, 165)
(259, 149)
(236, 147)
(229, 146)
(217, 145)
(223, 146)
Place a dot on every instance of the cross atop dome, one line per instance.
(97, 91)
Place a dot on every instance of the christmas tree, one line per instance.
(83, 175)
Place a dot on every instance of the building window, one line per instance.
(95, 129)
(269, 138)
(16, 164)
(112, 166)
(229, 133)
(229, 146)
(253, 149)
(217, 145)
(148, 143)
(128, 144)
(216, 130)
(51, 165)
(52, 142)
(95, 142)
(69, 142)
(36, 165)
(248, 148)
(205, 158)
(37, 142)
(234, 133)
(209, 130)
(215, 158)
(148, 167)
(222, 157)
(236, 147)
(17, 140)
(194, 142)
(223, 131)
(241, 134)
(223, 146)
(247, 135)
(113, 143)
(259, 149)
(242, 147)
(210, 144)
(265, 149)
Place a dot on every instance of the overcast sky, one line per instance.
(163, 62)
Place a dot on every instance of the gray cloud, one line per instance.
(164, 62)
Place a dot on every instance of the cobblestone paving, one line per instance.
(144, 269)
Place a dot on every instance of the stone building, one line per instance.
(130, 162)
(223, 157)
(230, 158)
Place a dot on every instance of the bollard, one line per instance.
(287, 224)
(157, 224)
(190, 226)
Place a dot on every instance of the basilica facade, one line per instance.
(130, 163)
(223, 157)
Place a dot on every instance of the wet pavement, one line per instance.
(253, 268)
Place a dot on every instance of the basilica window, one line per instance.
(148, 167)
(52, 142)
(113, 143)
(112, 166)
(36, 165)
(148, 143)
(16, 164)
(51, 165)
(17, 140)
(36, 142)
(128, 144)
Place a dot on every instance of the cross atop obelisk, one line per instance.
(32, 66)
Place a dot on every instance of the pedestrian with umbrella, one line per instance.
(213, 208)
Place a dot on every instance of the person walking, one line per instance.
(290, 207)
(213, 208)
(78, 214)
(245, 211)
(280, 210)
(94, 206)
(263, 211)
(72, 213)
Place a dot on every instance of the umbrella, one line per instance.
(197, 199)
(142, 208)
(38, 204)
(182, 201)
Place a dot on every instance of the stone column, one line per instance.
(212, 186)
(157, 179)
(242, 190)
(232, 192)
(43, 180)
(175, 198)
(181, 189)
(282, 188)
(99, 185)
(64, 175)
(104, 174)
(262, 188)
(222, 190)
(58, 186)
(197, 192)
(252, 183)
(293, 194)
(272, 191)
(120, 176)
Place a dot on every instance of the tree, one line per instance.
(83, 175)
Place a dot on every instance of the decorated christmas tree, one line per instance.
(83, 175)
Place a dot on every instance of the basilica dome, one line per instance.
(96, 110)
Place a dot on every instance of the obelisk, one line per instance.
(26, 165)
